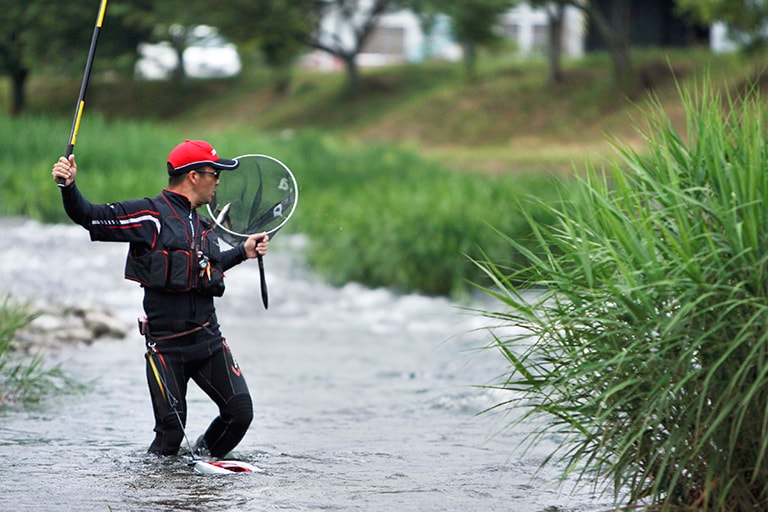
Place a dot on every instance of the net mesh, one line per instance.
(260, 195)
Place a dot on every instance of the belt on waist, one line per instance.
(177, 328)
(199, 327)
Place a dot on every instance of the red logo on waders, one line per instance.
(235, 367)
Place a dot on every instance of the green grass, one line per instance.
(388, 217)
(642, 338)
(377, 214)
(108, 163)
(25, 379)
(397, 185)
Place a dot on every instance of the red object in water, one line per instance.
(221, 467)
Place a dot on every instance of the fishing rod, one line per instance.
(80, 106)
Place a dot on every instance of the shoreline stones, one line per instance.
(55, 328)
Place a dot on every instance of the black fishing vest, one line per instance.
(184, 256)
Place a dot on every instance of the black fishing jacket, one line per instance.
(173, 253)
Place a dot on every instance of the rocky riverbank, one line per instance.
(56, 327)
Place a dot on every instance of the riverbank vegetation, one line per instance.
(375, 214)
(644, 345)
(23, 378)
(398, 186)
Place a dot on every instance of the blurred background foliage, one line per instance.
(405, 169)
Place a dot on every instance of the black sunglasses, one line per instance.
(215, 174)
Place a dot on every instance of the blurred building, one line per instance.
(649, 23)
(399, 37)
(528, 29)
(207, 54)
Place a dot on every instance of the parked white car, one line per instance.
(207, 55)
(156, 61)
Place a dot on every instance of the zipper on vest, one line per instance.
(192, 228)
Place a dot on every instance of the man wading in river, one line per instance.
(174, 254)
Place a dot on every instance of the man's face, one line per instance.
(206, 185)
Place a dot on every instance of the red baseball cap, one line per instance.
(192, 154)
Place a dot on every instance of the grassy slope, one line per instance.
(507, 119)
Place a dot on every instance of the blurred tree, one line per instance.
(555, 14)
(280, 29)
(56, 35)
(473, 22)
(613, 24)
(277, 29)
(615, 31)
(172, 21)
(350, 25)
(14, 60)
(746, 19)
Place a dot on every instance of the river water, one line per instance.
(364, 399)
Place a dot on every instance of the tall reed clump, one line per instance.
(642, 340)
(25, 379)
